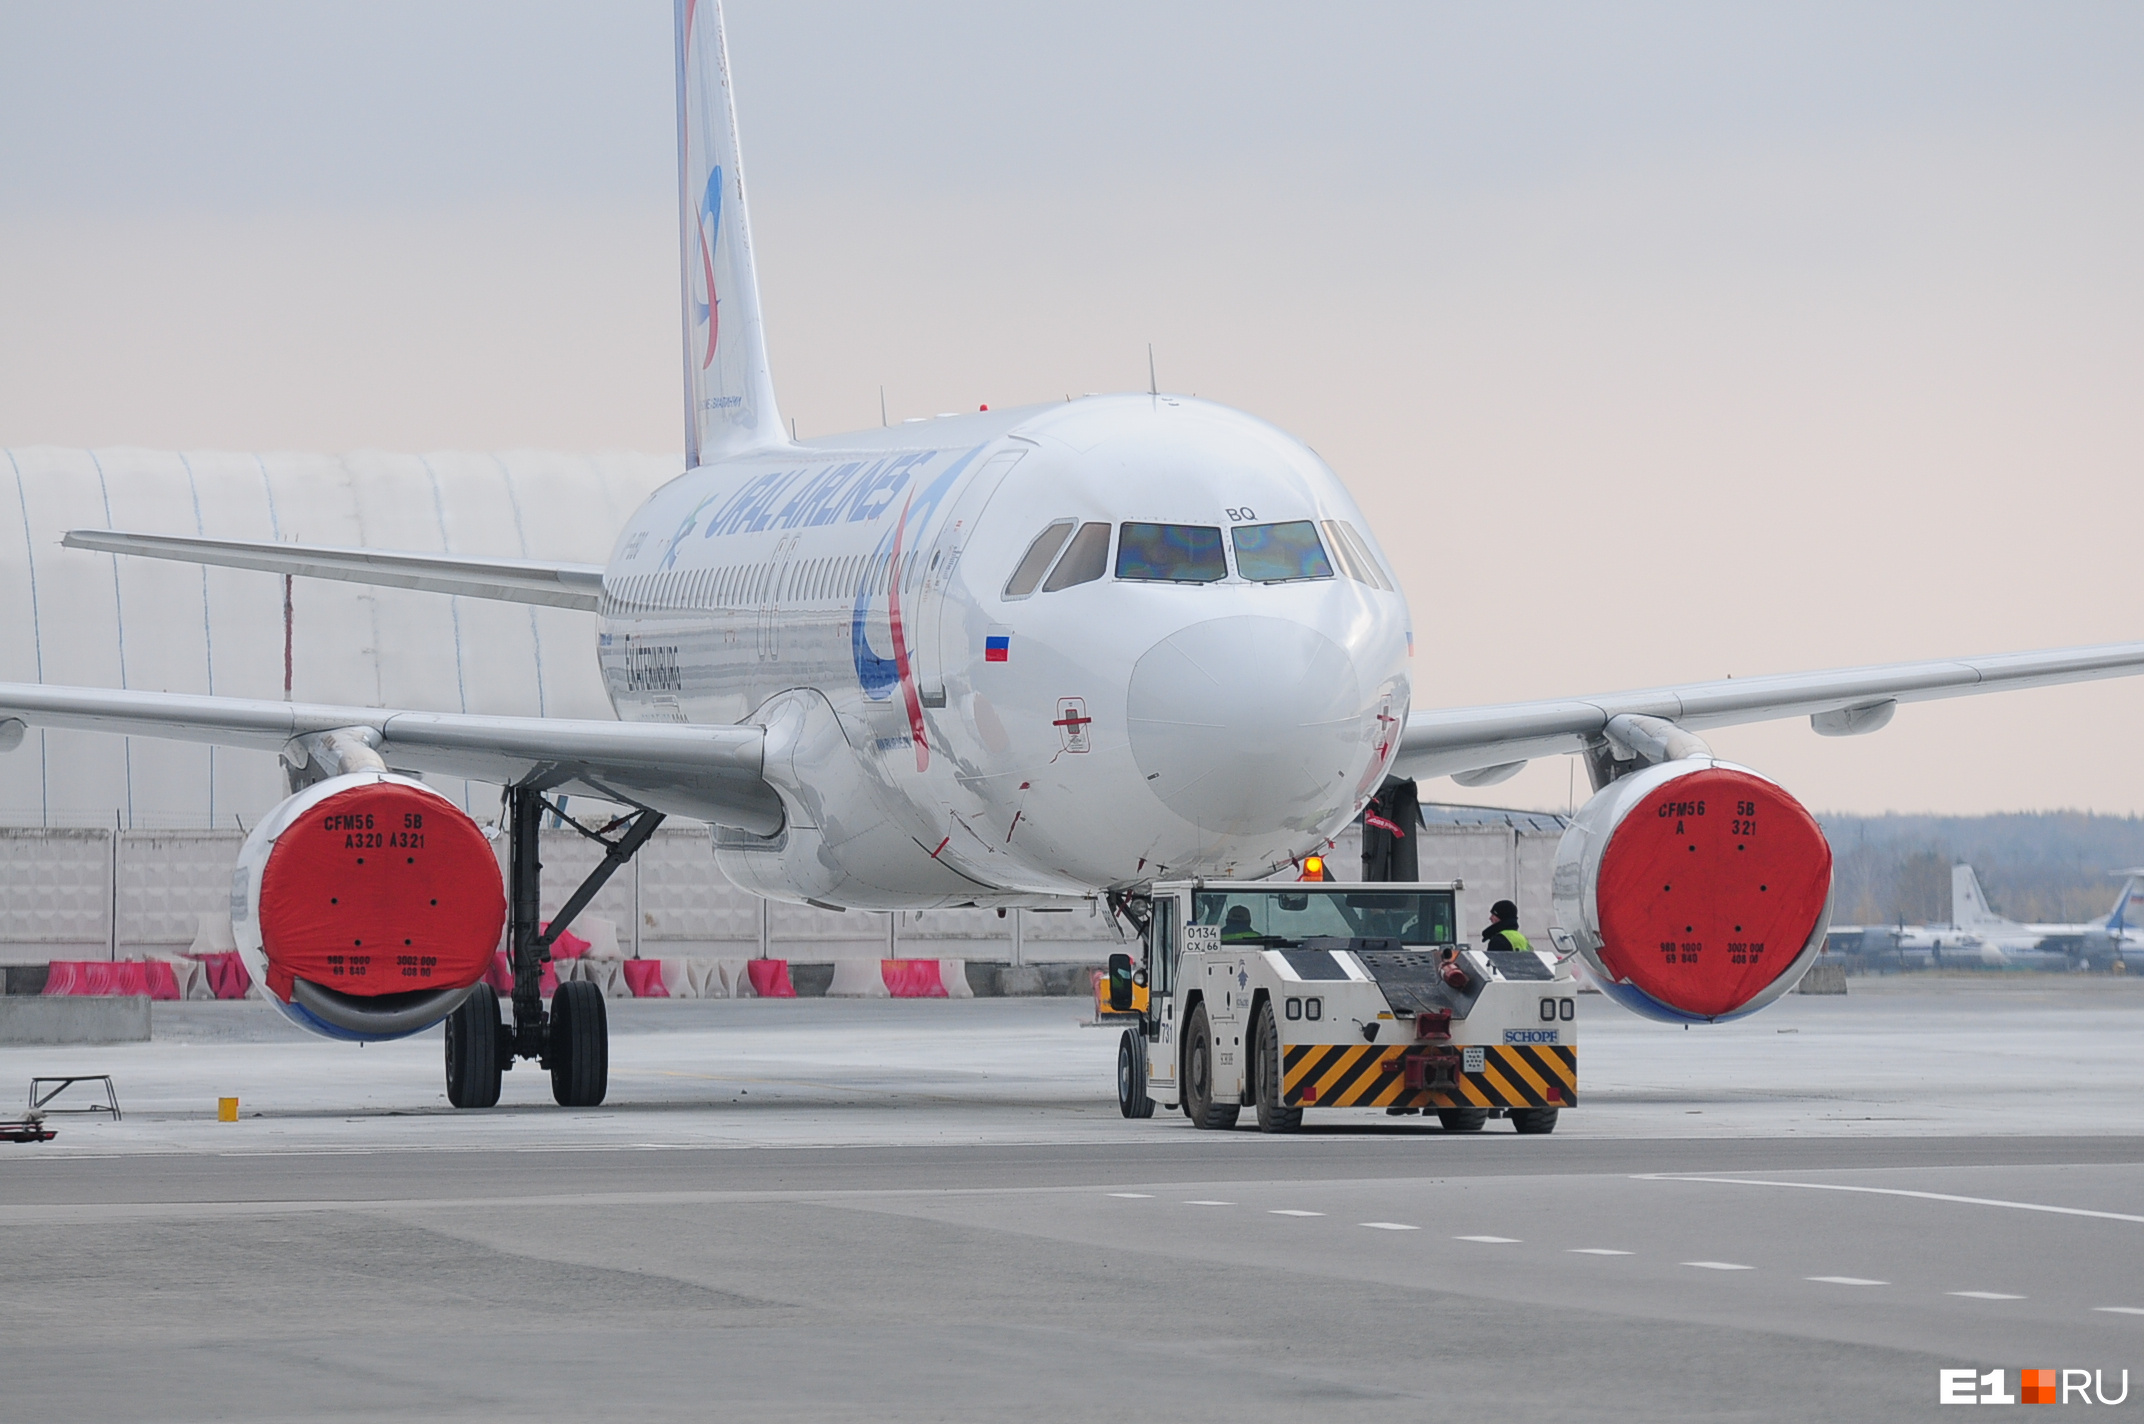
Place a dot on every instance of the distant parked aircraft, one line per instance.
(1979, 938)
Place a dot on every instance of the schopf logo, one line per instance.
(1968, 1386)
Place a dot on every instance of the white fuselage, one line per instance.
(938, 741)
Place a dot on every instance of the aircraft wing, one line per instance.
(1470, 741)
(509, 580)
(707, 773)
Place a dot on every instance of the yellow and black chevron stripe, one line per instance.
(1340, 1075)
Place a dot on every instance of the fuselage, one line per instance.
(1020, 655)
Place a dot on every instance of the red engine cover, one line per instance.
(380, 889)
(1709, 889)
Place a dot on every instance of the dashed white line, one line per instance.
(1289, 1211)
(1984, 1295)
(2120, 1309)
(1597, 1251)
(1388, 1226)
(1490, 1240)
(1208, 1203)
(1845, 1281)
(1134, 1196)
(1718, 1266)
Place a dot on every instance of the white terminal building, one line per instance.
(112, 845)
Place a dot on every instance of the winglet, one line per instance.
(729, 391)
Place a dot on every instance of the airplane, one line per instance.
(1979, 938)
(1007, 658)
(2008, 944)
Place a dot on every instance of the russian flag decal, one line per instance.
(997, 646)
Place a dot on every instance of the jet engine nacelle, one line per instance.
(1696, 890)
(367, 906)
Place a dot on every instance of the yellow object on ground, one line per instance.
(226, 1109)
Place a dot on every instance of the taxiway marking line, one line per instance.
(1388, 1226)
(2120, 1309)
(1896, 1192)
(1718, 1266)
(1289, 1211)
(1984, 1295)
(1491, 1240)
(1845, 1281)
(1597, 1251)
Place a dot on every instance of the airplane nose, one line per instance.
(1249, 725)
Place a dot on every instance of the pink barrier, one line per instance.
(226, 972)
(101, 978)
(501, 977)
(568, 945)
(770, 978)
(912, 978)
(66, 976)
(163, 979)
(644, 978)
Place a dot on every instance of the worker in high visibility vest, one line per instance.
(1503, 932)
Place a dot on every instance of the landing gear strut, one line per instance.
(572, 1041)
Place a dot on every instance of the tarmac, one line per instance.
(835, 1209)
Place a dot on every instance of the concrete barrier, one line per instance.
(27, 978)
(1823, 978)
(69, 1019)
(856, 979)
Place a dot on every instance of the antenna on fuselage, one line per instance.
(1153, 386)
(882, 407)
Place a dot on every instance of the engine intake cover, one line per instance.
(1696, 890)
(376, 893)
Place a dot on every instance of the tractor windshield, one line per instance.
(1284, 918)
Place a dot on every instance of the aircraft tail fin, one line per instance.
(2128, 912)
(1968, 906)
(729, 391)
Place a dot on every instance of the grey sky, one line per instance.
(1752, 337)
(398, 104)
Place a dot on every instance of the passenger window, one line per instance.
(1277, 553)
(1086, 561)
(1171, 553)
(1036, 561)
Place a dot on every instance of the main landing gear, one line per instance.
(573, 1040)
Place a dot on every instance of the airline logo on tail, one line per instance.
(709, 312)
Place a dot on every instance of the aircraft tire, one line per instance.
(1533, 1121)
(1199, 1105)
(579, 1056)
(1132, 1099)
(1463, 1119)
(1273, 1113)
(473, 1050)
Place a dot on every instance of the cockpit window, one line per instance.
(1036, 561)
(1086, 561)
(1274, 553)
(1171, 553)
(1354, 556)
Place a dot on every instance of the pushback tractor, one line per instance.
(1283, 998)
